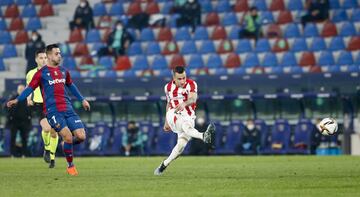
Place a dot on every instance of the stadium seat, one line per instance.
(229, 19)
(307, 59)
(195, 61)
(269, 60)
(345, 58)
(317, 44)
(11, 11)
(262, 45)
(334, 4)
(241, 6)
(293, 5)
(148, 131)
(243, 46)
(225, 46)
(302, 141)
(177, 60)
(291, 31)
(172, 21)
(232, 61)
(349, 4)
(116, 9)
(5, 37)
(164, 143)
(234, 33)
(123, 63)
(159, 62)
(223, 6)
(284, 17)
(28, 11)
(260, 4)
(201, 33)
(115, 147)
(207, 46)
(75, 36)
(135, 49)
(168, 5)
(65, 49)
(21, 37)
(55, 2)
(329, 30)
(147, 35)
(104, 22)
(299, 44)
(288, 59)
(326, 58)
(129, 74)
(280, 138)
(182, 34)
(218, 33)
(251, 60)
(233, 139)
(311, 30)
(354, 43)
(86, 60)
(33, 24)
(280, 45)
(134, 8)
(152, 8)
(206, 6)
(46, 10)
(188, 47)
(80, 50)
(140, 63)
(99, 9)
(40, 2)
(2, 65)
(277, 5)
(16, 24)
(336, 43)
(69, 63)
(267, 17)
(22, 2)
(355, 16)
(93, 36)
(273, 31)
(170, 48)
(347, 29)
(153, 48)
(3, 25)
(338, 15)
(214, 61)
(212, 19)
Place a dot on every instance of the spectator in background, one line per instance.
(118, 41)
(316, 10)
(19, 119)
(36, 43)
(190, 14)
(250, 140)
(83, 17)
(133, 140)
(251, 25)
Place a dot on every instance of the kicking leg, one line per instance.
(79, 136)
(68, 150)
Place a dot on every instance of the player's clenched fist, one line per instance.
(86, 105)
(11, 103)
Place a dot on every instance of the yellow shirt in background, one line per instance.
(37, 97)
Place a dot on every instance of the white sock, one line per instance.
(191, 131)
(176, 151)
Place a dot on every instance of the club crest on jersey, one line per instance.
(56, 81)
(55, 73)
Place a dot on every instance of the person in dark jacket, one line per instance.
(36, 43)
(190, 14)
(133, 140)
(250, 140)
(19, 119)
(83, 17)
(317, 10)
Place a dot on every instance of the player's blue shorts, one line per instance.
(60, 120)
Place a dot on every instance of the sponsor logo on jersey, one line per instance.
(77, 121)
(56, 81)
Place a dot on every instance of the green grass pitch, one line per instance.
(187, 176)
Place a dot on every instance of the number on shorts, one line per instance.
(53, 117)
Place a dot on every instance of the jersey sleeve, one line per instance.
(166, 87)
(193, 86)
(68, 80)
(35, 81)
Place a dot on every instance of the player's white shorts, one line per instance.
(176, 122)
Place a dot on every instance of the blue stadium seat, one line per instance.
(347, 29)
(75, 74)
(69, 63)
(339, 15)
(106, 61)
(214, 61)
(135, 49)
(229, 19)
(355, 17)
(311, 30)
(336, 43)
(353, 68)
(206, 6)
(99, 9)
(6, 2)
(28, 11)
(234, 32)
(189, 47)
(115, 146)
(333, 69)
(207, 46)
(349, 4)
(159, 62)
(2, 65)
(116, 9)
(129, 73)
(165, 142)
(326, 58)
(147, 35)
(65, 50)
(251, 60)
(223, 6)
(201, 33)
(269, 60)
(357, 58)
(153, 48)
(267, 17)
(240, 71)
(93, 36)
(168, 5)
(318, 44)
(55, 2)
(140, 63)
(5, 37)
(233, 136)
(23, 2)
(33, 24)
(243, 46)
(109, 74)
(299, 44)
(97, 46)
(288, 59)
(9, 51)
(3, 25)
(345, 58)
(172, 21)
(260, 4)
(291, 31)
(295, 5)
(262, 45)
(334, 4)
(301, 143)
(182, 34)
(296, 70)
(196, 61)
(280, 137)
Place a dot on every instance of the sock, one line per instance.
(46, 138)
(191, 131)
(53, 146)
(176, 151)
(68, 151)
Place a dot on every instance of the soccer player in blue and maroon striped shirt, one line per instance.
(52, 80)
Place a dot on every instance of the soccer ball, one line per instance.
(328, 126)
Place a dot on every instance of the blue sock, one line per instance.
(68, 151)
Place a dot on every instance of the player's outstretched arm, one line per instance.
(166, 127)
(191, 99)
(24, 94)
(12, 103)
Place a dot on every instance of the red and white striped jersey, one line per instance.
(176, 95)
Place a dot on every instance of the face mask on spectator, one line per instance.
(119, 27)
(191, 1)
(82, 4)
(34, 37)
(250, 126)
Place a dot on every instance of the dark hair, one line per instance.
(37, 52)
(253, 8)
(132, 122)
(50, 47)
(179, 69)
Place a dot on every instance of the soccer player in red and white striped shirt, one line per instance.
(181, 95)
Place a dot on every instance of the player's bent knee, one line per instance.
(53, 133)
